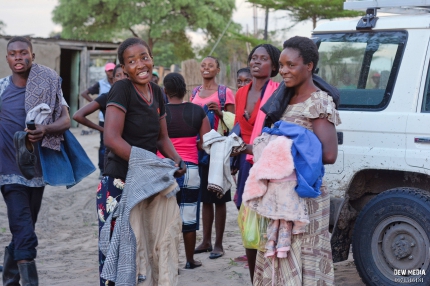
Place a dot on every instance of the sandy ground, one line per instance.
(67, 231)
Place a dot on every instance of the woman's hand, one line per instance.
(182, 169)
(213, 106)
(233, 171)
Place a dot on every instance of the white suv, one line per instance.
(380, 182)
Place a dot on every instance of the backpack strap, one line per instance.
(222, 94)
(194, 92)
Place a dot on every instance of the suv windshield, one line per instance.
(363, 66)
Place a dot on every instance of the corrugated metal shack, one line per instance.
(79, 63)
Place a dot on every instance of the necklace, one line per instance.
(148, 99)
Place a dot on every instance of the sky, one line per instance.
(34, 18)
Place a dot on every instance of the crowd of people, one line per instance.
(155, 173)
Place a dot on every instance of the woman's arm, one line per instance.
(59, 126)
(230, 108)
(165, 146)
(81, 115)
(205, 128)
(326, 133)
(114, 126)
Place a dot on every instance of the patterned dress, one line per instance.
(309, 261)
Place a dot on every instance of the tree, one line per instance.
(2, 26)
(230, 47)
(162, 20)
(315, 10)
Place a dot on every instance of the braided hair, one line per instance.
(274, 54)
(20, 39)
(214, 58)
(174, 85)
(244, 70)
(306, 47)
(130, 42)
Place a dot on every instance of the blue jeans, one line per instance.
(23, 205)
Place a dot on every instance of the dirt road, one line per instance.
(67, 231)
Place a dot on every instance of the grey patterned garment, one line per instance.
(44, 86)
(147, 175)
(4, 82)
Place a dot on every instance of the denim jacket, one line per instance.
(74, 162)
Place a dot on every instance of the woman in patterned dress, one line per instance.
(309, 261)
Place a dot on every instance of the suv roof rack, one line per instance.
(390, 6)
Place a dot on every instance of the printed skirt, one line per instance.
(188, 198)
(109, 194)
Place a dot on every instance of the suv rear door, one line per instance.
(364, 67)
(418, 125)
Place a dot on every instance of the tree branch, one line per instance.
(133, 32)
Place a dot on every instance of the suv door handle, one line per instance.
(340, 138)
(422, 140)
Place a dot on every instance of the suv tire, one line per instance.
(392, 232)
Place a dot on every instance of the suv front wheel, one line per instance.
(391, 239)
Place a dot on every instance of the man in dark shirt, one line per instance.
(23, 197)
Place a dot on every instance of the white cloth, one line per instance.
(104, 87)
(219, 147)
(38, 113)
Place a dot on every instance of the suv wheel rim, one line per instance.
(399, 242)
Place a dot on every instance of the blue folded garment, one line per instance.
(307, 155)
(68, 166)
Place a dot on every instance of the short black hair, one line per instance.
(20, 39)
(244, 70)
(130, 42)
(115, 68)
(214, 58)
(306, 47)
(274, 54)
(174, 84)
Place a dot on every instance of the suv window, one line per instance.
(363, 66)
(426, 98)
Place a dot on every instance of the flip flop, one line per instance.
(215, 255)
(190, 265)
(242, 258)
(202, 250)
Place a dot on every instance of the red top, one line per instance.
(246, 126)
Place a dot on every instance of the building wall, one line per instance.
(47, 54)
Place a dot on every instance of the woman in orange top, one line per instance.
(264, 64)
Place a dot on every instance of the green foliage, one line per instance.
(230, 47)
(302, 10)
(101, 19)
(174, 51)
(2, 26)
